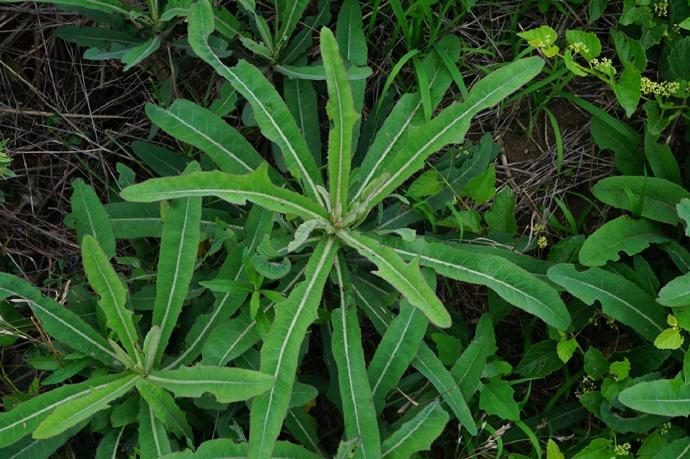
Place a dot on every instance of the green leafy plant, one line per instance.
(328, 225)
(119, 364)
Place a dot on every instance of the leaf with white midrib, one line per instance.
(280, 350)
(358, 406)
(82, 408)
(113, 297)
(237, 189)
(286, 132)
(59, 322)
(418, 433)
(451, 124)
(515, 285)
(341, 111)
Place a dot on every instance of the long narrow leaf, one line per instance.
(153, 440)
(280, 351)
(511, 282)
(179, 245)
(192, 124)
(358, 405)
(426, 362)
(406, 278)
(26, 416)
(271, 113)
(417, 434)
(226, 384)
(396, 351)
(91, 217)
(80, 409)
(59, 322)
(620, 298)
(113, 293)
(165, 408)
(452, 123)
(404, 113)
(237, 189)
(342, 113)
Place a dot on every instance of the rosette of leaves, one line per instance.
(324, 221)
(122, 371)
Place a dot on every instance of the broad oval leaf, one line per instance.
(664, 397)
(622, 234)
(650, 197)
(620, 298)
(676, 292)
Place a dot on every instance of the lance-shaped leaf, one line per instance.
(226, 384)
(426, 362)
(404, 113)
(91, 218)
(341, 112)
(113, 293)
(451, 124)
(289, 13)
(406, 278)
(467, 370)
(164, 407)
(80, 409)
(30, 448)
(60, 323)
(109, 444)
(303, 103)
(106, 6)
(280, 351)
(676, 292)
(138, 53)
(358, 405)
(665, 397)
(193, 124)
(179, 245)
(396, 351)
(271, 113)
(153, 439)
(417, 434)
(620, 298)
(237, 189)
(512, 283)
(224, 448)
(622, 234)
(353, 47)
(26, 416)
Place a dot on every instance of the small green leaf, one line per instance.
(91, 217)
(566, 348)
(620, 369)
(671, 338)
(496, 398)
